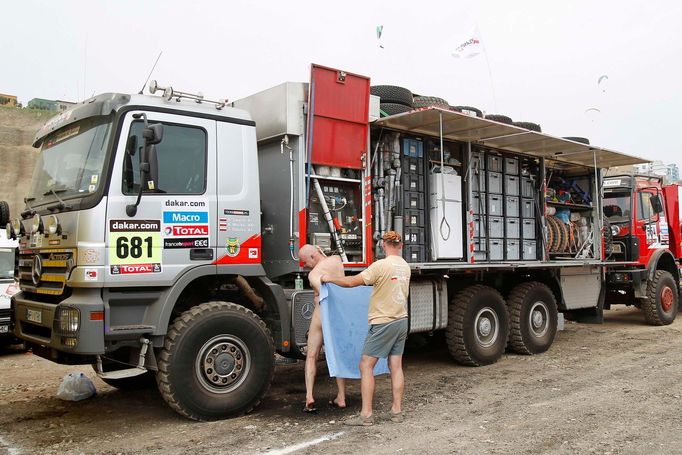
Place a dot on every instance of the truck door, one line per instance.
(174, 228)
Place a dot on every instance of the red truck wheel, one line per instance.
(478, 326)
(662, 302)
(533, 318)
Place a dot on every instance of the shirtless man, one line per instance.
(315, 259)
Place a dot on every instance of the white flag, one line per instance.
(469, 47)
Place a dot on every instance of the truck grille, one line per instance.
(5, 313)
(302, 305)
(46, 275)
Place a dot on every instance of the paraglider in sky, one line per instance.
(380, 29)
(591, 109)
(601, 82)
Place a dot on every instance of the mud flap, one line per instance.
(594, 315)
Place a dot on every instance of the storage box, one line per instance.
(513, 248)
(511, 166)
(478, 225)
(512, 206)
(528, 208)
(495, 204)
(413, 218)
(494, 163)
(414, 236)
(512, 228)
(414, 253)
(413, 200)
(495, 227)
(496, 249)
(477, 160)
(495, 182)
(477, 181)
(530, 252)
(480, 249)
(478, 202)
(413, 182)
(528, 228)
(413, 148)
(413, 165)
(511, 185)
(527, 188)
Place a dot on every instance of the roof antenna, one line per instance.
(141, 92)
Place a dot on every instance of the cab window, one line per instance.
(644, 209)
(181, 157)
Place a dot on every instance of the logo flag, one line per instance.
(469, 47)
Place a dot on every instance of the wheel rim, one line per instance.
(223, 363)
(538, 319)
(667, 299)
(487, 327)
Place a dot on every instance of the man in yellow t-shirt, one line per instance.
(388, 324)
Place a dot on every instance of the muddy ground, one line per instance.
(611, 388)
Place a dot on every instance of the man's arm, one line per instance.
(344, 282)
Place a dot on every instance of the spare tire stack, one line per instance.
(394, 99)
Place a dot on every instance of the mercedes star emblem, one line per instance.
(37, 269)
(307, 310)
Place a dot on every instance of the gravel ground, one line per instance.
(611, 389)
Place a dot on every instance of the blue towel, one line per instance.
(344, 328)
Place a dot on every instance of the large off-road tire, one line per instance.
(469, 110)
(533, 318)
(608, 237)
(663, 299)
(582, 140)
(120, 360)
(4, 214)
(392, 94)
(499, 118)
(478, 326)
(217, 361)
(529, 126)
(393, 108)
(430, 101)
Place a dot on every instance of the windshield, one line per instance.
(70, 161)
(617, 207)
(6, 263)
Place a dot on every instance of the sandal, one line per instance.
(310, 408)
(334, 405)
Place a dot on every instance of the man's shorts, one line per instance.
(386, 339)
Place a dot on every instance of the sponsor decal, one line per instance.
(253, 253)
(134, 246)
(90, 275)
(185, 243)
(176, 203)
(232, 248)
(222, 224)
(236, 212)
(185, 231)
(185, 217)
(135, 269)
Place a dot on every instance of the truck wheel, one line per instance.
(392, 94)
(430, 101)
(663, 299)
(217, 361)
(478, 326)
(394, 108)
(533, 317)
(4, 214)
(499, 118)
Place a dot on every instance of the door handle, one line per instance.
(201, 254)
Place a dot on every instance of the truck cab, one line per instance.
(643, 222)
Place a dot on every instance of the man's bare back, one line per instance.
(332, 266)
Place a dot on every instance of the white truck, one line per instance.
(8, 286)
(160, 235)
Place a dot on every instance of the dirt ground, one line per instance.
(612, 388)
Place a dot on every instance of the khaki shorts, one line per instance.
(386, 339)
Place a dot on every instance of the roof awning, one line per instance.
(465, 128)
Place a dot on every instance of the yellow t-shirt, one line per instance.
(391, 280)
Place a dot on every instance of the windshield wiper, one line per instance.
(59, 206)
(30, 212)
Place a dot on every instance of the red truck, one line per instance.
(644, 218)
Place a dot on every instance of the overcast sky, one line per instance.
(545, 57)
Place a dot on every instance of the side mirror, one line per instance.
(131, 145)
(153, 134)
(152, 173)
(656, 203)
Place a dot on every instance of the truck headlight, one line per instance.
(36, 224)
(68, 320)
(18, 227)
(9, 232)
(615, 230)
(52, 225)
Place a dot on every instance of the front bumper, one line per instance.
(37, 323)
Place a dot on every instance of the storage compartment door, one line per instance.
(446, 243)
